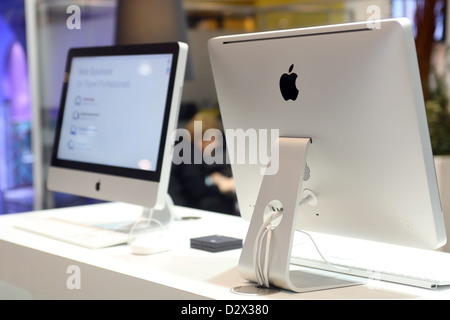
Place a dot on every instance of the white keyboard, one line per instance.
(377, 261)
(81, 235)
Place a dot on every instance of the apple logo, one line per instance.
(97, 185)
(288, 87)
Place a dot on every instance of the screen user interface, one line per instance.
(107, 110)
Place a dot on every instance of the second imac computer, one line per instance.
(342, 108)
(119, 107)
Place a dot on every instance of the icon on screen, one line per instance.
(71, 144)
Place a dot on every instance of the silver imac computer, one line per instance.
(342, 109)
(119, 108)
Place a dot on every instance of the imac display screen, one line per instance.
(119, 106)
(112, 101)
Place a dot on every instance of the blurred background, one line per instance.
(35, 36)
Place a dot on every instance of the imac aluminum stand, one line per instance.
(266, 255)
(159, 217)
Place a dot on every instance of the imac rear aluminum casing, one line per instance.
(360, 103)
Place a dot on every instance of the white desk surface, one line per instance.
(38, 266)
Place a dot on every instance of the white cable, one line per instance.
(267, 256)
(258, 270)
(262, 267)
(148, 220)
(320, 254)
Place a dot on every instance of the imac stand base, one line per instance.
(266, 254)
(306, 280)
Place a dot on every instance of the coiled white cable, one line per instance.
(262, 265)
(265, 232)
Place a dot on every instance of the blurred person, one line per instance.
(199, 184)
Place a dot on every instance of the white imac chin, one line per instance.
(360, 142)
(119, 108)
